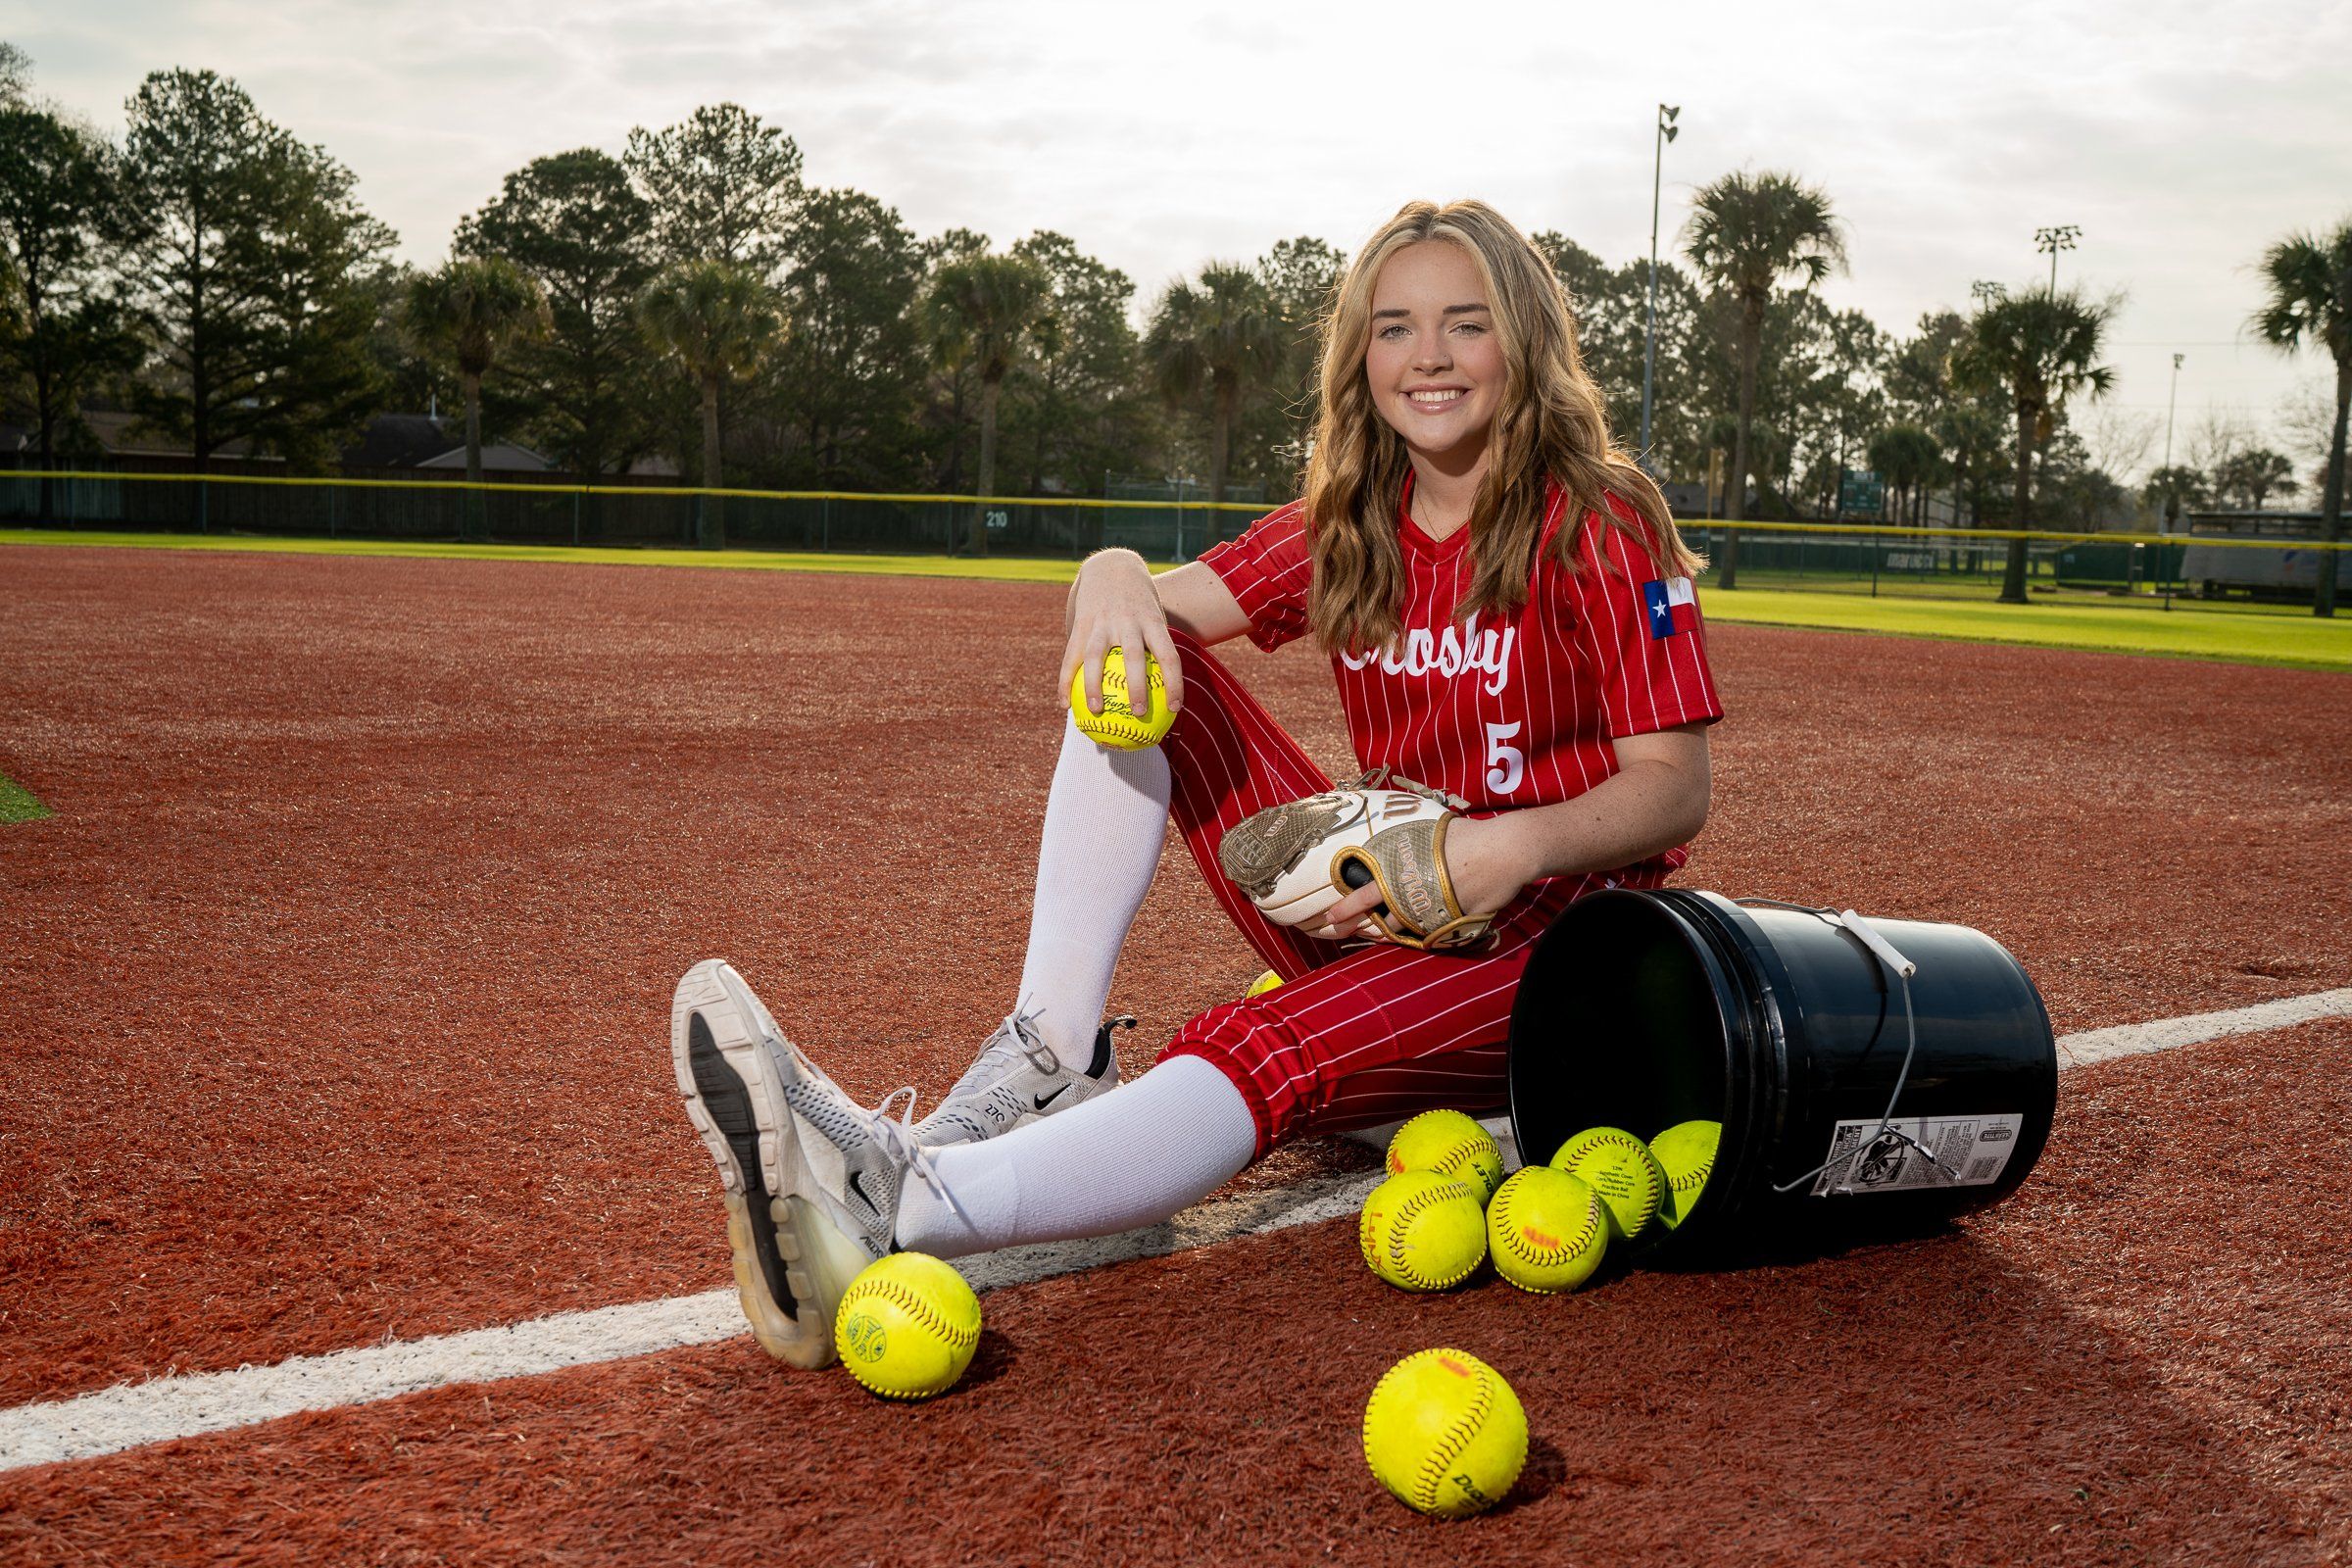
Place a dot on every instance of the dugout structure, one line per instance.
(2214, 570)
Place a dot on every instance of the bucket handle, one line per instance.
(1886, 952)
(1902, 968)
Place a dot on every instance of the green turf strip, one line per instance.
(2193, 629)
(2242, 633)
(16, 804)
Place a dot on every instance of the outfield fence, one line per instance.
(1834, 557)
(612, 515)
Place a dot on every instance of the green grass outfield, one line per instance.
(16, 804)
(2241, 632)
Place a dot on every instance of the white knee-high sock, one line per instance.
(1130, 1157)
(1106, 818)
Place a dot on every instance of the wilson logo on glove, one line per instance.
(1298, 859)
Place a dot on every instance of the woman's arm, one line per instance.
(1117, 603)
(1656, 800)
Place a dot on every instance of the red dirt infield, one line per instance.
(334, 1003)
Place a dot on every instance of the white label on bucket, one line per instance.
(1915, 1152)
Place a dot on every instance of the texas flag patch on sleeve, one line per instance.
(1672, 608)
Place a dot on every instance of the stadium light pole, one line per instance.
(2172, 490)
(1667, 113)
(2059, 237)
(2172, 406)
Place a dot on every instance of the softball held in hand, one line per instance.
(907, 1326)
(1118, 726)
(1444, 1434)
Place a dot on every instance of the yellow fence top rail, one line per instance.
(294, 482)
(1892, 531)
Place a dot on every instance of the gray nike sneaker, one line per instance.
(1016, 1080)
(813, 1179)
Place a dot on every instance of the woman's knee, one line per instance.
(1230, 1039)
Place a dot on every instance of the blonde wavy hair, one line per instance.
(1552, 423)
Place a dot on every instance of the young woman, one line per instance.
(1506, 606)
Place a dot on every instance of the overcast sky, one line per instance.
(2181, 138)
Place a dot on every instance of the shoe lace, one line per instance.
(1016, 1036)
(1388, 778)
(894, 1136)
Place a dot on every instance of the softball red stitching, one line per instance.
(915, 1306)
(1398, 1223)
(1505, 1203)
(1457, 1438)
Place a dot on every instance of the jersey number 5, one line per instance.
(1508, 764)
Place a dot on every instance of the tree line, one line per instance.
(693, 297)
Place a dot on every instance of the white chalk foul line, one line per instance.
(2138, 1038)
(133, 1415)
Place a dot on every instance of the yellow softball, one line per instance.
(1444, 1434)
(1261, 985)
(1687, 1155)
(1451, 1143)
(1619, 1167)
(1118, 725)
(1422, 1231)
(1546, 1229)
(907, 1326)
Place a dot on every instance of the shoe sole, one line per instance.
(789, 1290)
(832, 1260)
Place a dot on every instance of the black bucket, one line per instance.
(1642, 1009)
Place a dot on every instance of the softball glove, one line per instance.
(1298, 859)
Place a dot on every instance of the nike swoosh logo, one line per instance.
(857, 1187)
(1043, 1100)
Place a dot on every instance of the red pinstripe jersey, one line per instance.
(1508, 711)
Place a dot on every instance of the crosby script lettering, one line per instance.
(1450, 654)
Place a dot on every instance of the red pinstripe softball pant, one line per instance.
(1353, 1036)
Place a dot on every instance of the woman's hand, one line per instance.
(1484, 861)
(1114, 605)
(1655, 800)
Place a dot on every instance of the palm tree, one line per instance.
(1224, 334)
(1967, 429)
(2309, 282)
(1747, 233)
(2040, 349)
(1722, 434)
(2171, 487)
(720, 321)
(467, 314)
(1906, 458)
(986, 311)
(2252, 475)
